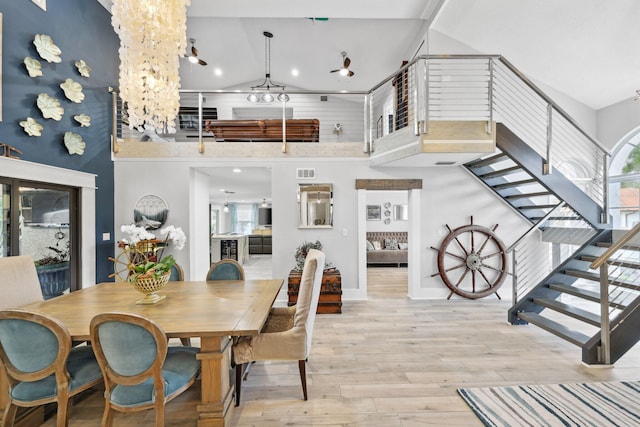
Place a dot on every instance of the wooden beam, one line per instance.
(388, 184)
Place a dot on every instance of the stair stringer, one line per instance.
(533, 163)
(624, 335)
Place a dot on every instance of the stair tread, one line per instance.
(537, 206)
(514, 184)
(564, 308)
(555, 328)
(528, 195)
(621, 263)
(596, 278)
(501, 172)
(626, 247)
(582, 293)
(487, 161)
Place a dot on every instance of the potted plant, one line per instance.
(54, 270)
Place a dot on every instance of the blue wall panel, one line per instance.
(82, 30)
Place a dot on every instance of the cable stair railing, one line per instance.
(546, 167)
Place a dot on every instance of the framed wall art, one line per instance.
(374, 212)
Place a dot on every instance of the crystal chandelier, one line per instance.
(152, 39)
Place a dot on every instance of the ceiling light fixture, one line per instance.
(267, 84)
(226, 200)
(152, 40)
(344, 71)
(264, 203)
(193, 56)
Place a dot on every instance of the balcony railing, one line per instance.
(428, 89)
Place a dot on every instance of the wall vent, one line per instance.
(444, 163)
(308, 173)
(324, 98)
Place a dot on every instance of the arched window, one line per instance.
(624, 181)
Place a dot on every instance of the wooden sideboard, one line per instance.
(330, 293)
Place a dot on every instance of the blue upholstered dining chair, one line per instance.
(177, 275)
(36, 352)
(226, 269)
(140, 370)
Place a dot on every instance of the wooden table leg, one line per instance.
(216, 407)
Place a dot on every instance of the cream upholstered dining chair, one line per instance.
(226, 269)
(19, 282)
(40, 364)
(288, 331)
(140, 370)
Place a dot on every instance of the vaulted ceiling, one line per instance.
(584, 48)
(587, 49)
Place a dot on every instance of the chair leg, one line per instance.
(107, 415)
(303, 376)
(186, 342)
(9, 415)
(238, 382)
(63, 410)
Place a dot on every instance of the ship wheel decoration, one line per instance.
(472, 261)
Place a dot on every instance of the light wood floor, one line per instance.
(390, 361)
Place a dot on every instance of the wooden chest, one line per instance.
(330, 293)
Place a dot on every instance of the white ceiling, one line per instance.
(587, 49)
(251, 185)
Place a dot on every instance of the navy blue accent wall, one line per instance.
(82, 30)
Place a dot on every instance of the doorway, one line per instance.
(387, 243)
(412, 189)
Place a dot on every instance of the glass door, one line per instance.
(5, 219)
(41, 220)
(47, 235)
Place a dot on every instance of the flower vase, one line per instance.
(150, 287)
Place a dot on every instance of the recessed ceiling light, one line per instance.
(217, 71)
(237, 170)
(223, 190)
(295, 72)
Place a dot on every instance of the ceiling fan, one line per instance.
(344, 71)
(193, 57)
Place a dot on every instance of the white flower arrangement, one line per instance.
(146, 251)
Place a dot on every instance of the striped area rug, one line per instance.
(580, 405)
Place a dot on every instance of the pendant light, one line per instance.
(267, 84)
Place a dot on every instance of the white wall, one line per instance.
(393, 198)
(450, 196)
(615, 121)
(344, 109)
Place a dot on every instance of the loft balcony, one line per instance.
(435, 110)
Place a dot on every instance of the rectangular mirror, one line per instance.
(400, 212)
(315, 204)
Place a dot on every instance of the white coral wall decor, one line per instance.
(83, 68)
(33, 67)
(50, 107)
(46, 48)
(83, 119)
(72, 90)
(31, 127)
(74, 143)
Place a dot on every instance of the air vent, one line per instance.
(324, 98)
(445, 163)
(309, 173)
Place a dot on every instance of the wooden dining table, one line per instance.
(212, 311)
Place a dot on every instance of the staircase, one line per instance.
(566, 299)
